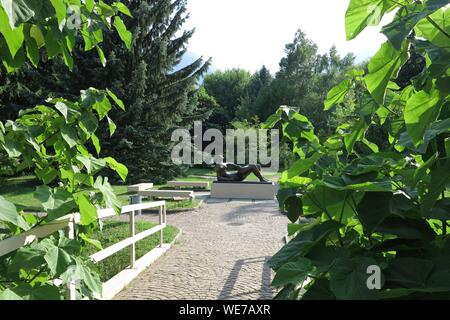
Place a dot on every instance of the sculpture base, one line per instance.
(243, 190)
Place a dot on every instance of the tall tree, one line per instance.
(228, 88)
(259, 81)
(159, 96)
(304, 78)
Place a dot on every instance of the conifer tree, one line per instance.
(158, 97)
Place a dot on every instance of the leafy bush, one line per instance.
(52, 140)
(8, 166)
(386, 208)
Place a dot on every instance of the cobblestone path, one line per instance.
(221, 254)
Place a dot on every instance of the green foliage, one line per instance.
(228, 88)
(160, 93)
(28, 25)
(302, 81)
(52, 139)
(385, 208)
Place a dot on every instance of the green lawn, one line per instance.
(115, 231)
(20, 192)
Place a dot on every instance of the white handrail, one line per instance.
(105, 253)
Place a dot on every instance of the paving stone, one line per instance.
(221, 254)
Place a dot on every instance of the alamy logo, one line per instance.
(241, 146)
(374, 280)
(73, 21)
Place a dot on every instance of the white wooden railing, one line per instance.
(69, 223)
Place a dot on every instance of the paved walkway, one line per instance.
(221, 254)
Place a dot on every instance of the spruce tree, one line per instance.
(158, 97)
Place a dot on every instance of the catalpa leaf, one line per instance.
(382, 68)
(421, 110)
(363, 13)
(406, 19)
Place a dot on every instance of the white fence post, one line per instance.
(133, 246)
(68, 224)
(71, 235)
(161, 221)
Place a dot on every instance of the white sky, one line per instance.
(250, 33)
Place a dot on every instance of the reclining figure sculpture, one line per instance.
(242, 172)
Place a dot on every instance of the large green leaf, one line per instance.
(121, 170)
(338, 204)
(14, 37)
(88, 212)
(57, 260)
(124, 34)
(421, 110)
(61, 11)
(348, 279)
(323, 257)
(440, 179)
(293, 272)
(406, 19)
(39, 292)
(8, 294)
(337, 94)
(80, 272)
(91, 164)
(373, 209)
(406, 228)
(441, 210)
(437, 128)
(109, 196)
(116, 99)
(303, 243)
(46, 174)
(57, 202)
(319, 290)
(363, 13)
(300, 166)
(355, 135)
(408, 272)
(122, 8)
(68, 110)
(294, 208)
(32, 51)
(382, 68)
(428, 31)
(8, 213)
(26, 258)
(344, 183)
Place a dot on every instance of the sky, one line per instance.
(251, 33)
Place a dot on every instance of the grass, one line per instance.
(183, 204)
(20, 192)
(115, 231)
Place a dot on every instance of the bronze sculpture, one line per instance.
(242, 172)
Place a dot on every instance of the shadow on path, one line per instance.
(265, 290)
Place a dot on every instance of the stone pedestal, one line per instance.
(243, 190)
